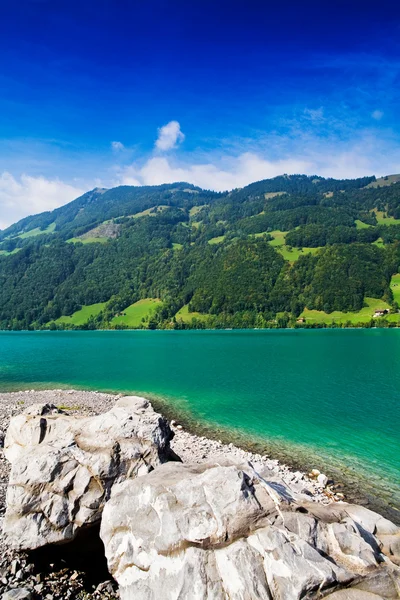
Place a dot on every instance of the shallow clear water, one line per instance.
(327, 397)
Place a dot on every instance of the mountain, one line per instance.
(176, 255)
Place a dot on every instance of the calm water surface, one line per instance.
(328, 397)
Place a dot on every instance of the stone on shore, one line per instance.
(63, 467)
(217, 531)
(18, 594)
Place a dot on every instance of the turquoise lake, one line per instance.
(326, 397)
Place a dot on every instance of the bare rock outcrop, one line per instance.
(63, 467)
(219, 531)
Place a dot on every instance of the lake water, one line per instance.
(327, 398)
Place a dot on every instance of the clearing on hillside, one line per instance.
(150, 212)
(196, 209)
(184, 315)
(288, 253)
(395, 286)
(88, 240)
(217, 240)
(361, 224)
(384, 220)
(384, 181)
(362, 316)
(80, 317)
(36, 231)
(135, 313)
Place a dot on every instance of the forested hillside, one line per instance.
(288, 251)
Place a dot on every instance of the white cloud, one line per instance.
(377, 115)
(366, 155)
(30, 195)
(117, 146)
(169, 136)
(238, 172)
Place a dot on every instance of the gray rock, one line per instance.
(353, 594)
(17, 594)
(63, 467)
(322, 480)
(222, 531)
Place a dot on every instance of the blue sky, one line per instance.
(217, 93)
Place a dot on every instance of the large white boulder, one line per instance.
(63, 467)
(218, 531)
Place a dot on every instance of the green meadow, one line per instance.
(196, 209)
(395, 286)
(80, 317)
(361, 224)
(382, 220)
(5, 253)
(184, 315)
(217, 240)
(362, 316)
(150, 212)
(135, 313)
(89, 240)
(37, 231)
(288, 253)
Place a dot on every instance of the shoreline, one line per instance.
(310, 327)
(351, 484)
(197, 441)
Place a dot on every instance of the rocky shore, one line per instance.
(128, 448)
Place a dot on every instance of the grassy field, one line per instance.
(290, 254)
(293, 254)
(361, 225)
(89, 240)
(384, 181)
(279, 238)
(80, 317)
(177, 246)
(379, 242)
(382, 220)
(217, 240)
(395, 285)
(5, 253)
(134, 314)
(184, 315)
(269, 195)
(362, 316)
(196, 209)
(37, 231)
(150, 212)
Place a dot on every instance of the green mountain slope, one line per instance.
(253, 257)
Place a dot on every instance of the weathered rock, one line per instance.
(322, 480)
(222, 531)
(18, 594)
(63, 467)
(354, 595)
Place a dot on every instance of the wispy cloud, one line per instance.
(117, 146)
(377, 115)
(169, 136)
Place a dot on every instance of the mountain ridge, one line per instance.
(237, 258)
